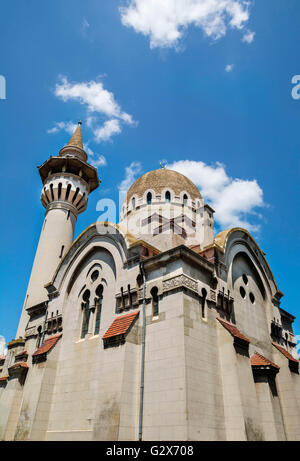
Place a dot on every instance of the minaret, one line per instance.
(67, 182)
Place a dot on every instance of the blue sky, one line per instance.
(209, 94)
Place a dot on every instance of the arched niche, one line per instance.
(97, 258)
(244, 271)
(250, 298)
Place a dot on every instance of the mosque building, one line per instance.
(150, 329)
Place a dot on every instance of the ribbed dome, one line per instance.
(162, 179)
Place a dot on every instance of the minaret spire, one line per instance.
(75, 145)
(76, 139)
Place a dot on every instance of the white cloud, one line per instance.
(100, 103)
(234, 200)
(229, 68)
(131, 173)
(96, 160)
(248, 37)
(94, 96)
(84, 26)
(110, 128)
(165, 21)
(69, 127)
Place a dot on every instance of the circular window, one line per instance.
(252, 298)
(245, 279)
(243, 292)
(95, 275)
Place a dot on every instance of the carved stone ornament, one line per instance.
(180, 280)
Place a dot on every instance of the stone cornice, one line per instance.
(180, 252)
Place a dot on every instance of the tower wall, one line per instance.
(56, 238)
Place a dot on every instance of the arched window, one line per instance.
(185, 199)
(98, 307)
(75, 195)
(168, 197)
(51, 190)
(86, 313)
(203, 300)
(155, 302)
(82, 198)
(46, 195)
(59, 190)
(39, 337)
(133, 203)
(149, 198)
(68, 191)
(139, 281)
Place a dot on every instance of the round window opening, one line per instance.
(243, 292)
(95, 275)
(245, 279)
(252, 298)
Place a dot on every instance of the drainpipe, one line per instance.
(143, 354)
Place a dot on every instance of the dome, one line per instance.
(160, 180)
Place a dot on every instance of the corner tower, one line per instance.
(67, 182)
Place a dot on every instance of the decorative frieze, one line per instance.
(180, 281)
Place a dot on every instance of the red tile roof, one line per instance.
(18, 365)
(121, 325)
(233, 330)
(285, 353)
(258, 360)
(4, 378)
(47, 345)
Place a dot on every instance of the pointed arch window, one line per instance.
(85, 305)
(155, 302)
(133, 203)
(185, 199)
(39, 337)
(149, 198)
(98, 307)
(168, 197)
(203, 301)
